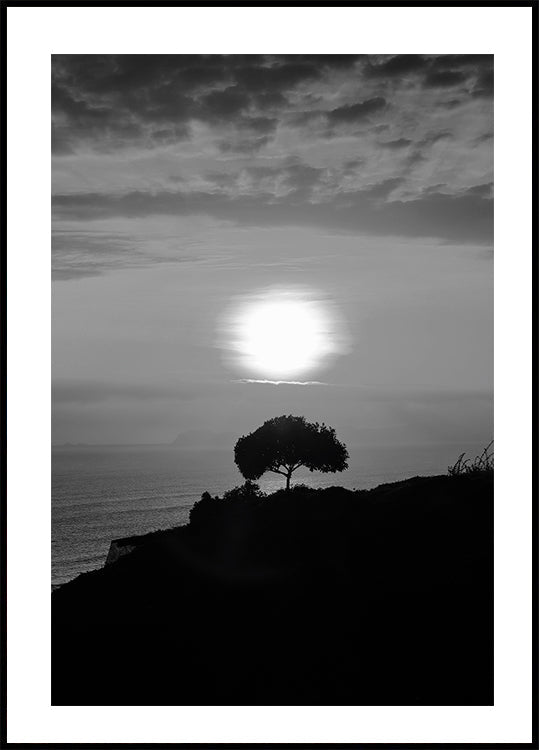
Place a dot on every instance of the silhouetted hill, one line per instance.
(324, 597)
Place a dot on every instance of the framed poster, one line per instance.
(288, 325)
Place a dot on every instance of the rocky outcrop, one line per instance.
(118, 548)
(124, 546)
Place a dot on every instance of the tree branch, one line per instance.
(276, 471)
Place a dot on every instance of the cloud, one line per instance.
(293, 177)
(431, 138)
(462, 61)
(250, 134)
(85, 392)
(277, 77)
(452, 70)
(268, 141)
(485, 137)
(105, 102)
(243, 144)
(484, 191)
(381, 190)
(352, 165)
(90, 253)
(280, 382)
(302, 177)
(356, 112)
(396, 144)
(396, 66)
(223, 104)
(459, 217)
(451, 103)
(415, 158)
(437, 70)
(258, 124)
(61, 143)
(484, 86)
(421, 151)
(325, 62)
(444, 78)
(110, 100)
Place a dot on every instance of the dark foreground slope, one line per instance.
(326, 597)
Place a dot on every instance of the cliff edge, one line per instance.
(315, 597)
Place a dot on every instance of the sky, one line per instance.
(187, 190)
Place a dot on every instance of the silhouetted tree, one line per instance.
(283, 444)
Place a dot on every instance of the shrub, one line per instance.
(247, 491)
(483, 463)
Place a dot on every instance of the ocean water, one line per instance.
(103, 493)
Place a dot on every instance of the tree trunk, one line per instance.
(288, 480)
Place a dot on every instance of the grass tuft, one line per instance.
(481, 464)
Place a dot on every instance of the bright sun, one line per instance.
(283, 333)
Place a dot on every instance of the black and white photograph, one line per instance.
(272, 414)
(274, 315)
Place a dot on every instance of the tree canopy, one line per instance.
(285, 443)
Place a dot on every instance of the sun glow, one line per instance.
(283, 333)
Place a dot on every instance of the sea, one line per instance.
(101, 493)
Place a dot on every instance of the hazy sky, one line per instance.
(185, 184)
